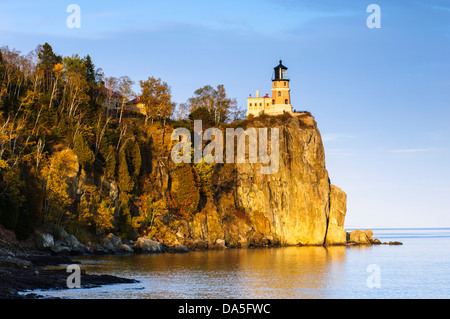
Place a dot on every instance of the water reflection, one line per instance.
(291, 272)
(417, 269)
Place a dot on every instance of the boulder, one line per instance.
(112, 242)
(369, 234)
(376, 241)
(275, 242)
(125, 248)
(71, 241)
(244, 243)
(59, 233)
(100, 250)
(358, 237)
(266, 241)
(44, 241)
(196, 244)
(220, 244)
(177, 247)
(76, 248)
(60, 250)
(146, 245)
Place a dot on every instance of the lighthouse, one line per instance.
(280, 102)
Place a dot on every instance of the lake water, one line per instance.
(420, 268)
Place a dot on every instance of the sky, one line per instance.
(380, 96)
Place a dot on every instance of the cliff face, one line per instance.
(295, 201)
(295, 205)
(336, 233)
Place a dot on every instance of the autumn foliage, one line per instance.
(71, 155)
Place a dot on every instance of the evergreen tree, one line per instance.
(90, 69)
(84, 153)
(93, 88)
(134, 155)
(47, 58)
(185, 189)
(47, 61)
(126, 185)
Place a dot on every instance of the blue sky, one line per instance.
(381, 97)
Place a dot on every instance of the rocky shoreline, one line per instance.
(22, 270)
(25, 269)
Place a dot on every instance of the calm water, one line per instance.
(418, 269)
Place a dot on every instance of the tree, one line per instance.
(76, 88)
(223, 104)
(83, 151)
(156, 97)
(93, 88)
(126, 186)
(133, 153)
(55, 176)
(214, 100)
(58, 71)
(205, 172)
(47, 61)
(203, 114)
(111, 86)
(47, 58)
(104, 217)
(182, 111)
(185, 189)
(95, 211)
(90, 69)
(125, 86)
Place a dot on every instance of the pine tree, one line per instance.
(185, 188)
(134, 156)
(47, 61)
(126, 186)
(84, 153)
(90, 69)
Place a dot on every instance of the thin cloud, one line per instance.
(328, 137)
(338, 152)
(441, 8)
(413, 150)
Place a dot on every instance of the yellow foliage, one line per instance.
(55, 174)
(94, 211)
(104, 217)
(3, 164)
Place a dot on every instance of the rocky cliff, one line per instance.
(298, 203)
(230, 205)
(295, 205)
